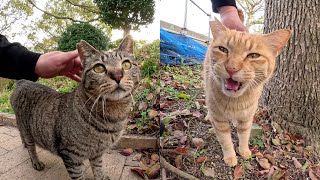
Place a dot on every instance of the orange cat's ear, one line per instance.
(216, 27)
(86, 50)
(277, 40)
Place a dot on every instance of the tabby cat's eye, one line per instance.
(253, 55)
(223, 49)
(98, 68)
(126, 65)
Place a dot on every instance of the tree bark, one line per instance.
(126, 31)
(293, 93)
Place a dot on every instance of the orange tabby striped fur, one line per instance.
(236, 67)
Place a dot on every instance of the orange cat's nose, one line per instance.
(231, 70)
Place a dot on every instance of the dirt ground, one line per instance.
(277, 154)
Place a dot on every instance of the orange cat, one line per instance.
(236, 67)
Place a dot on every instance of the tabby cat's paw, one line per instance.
(38, 165)
(231, 160)
(246, 153)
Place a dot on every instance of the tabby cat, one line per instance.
(84, 123)
(236, 67)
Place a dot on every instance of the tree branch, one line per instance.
(88, 8)
(59, 17)
(175, 170)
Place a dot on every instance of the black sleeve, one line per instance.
(16, 61)
(218, 3)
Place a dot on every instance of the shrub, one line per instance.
(82, 31)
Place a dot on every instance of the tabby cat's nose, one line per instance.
(116, 75)
(231, 70)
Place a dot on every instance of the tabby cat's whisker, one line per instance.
(97, 100)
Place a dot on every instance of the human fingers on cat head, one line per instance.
(111, 75)
(57, 63)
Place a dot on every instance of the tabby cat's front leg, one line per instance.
(222, 131)
(97, 168)
(74, 166)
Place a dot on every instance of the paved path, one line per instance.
(15, 162)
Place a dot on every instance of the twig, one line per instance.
(175, 170)
(60, 17)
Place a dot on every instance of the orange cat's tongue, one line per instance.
(230, 84)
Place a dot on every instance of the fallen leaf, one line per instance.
(152, 114)
(270, 158)
(137, 157)
(261, 173)
(155, 157)
(178, 134)
(238, 173)
(296, 163)
(198, 142)
(197, 105)
(167, 104)
(126, 152)
(143, 106)
(263, 162)
(197, 114)
(183, 96)
(258, 155)
(154, 171)
(312, 176)
(278, 174)
(150, 96)
(143, 165)
(201, 159)
(183, 139)
(181, 150)
(178, 161)
(138, 171)
(305, 166)
(131, 126)
(209, 172)
(271, 171)
(276, 142)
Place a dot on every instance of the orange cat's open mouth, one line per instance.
(232, 85)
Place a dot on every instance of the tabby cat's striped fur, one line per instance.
(82, 124)
(236, 67)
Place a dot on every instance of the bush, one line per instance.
(82, 31)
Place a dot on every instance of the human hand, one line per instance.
(59, 63)
(230, 18)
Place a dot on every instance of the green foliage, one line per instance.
(148, 56)
(126, 14)
(257, 141)
(82, 31)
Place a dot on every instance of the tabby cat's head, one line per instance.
(111, 74)
(240, 61)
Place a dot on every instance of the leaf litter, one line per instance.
(184, 119)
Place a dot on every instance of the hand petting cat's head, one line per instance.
(109, 74)
(241, 61)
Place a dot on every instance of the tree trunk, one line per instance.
(293, 94)
(126, 31)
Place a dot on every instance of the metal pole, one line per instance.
(185, 16)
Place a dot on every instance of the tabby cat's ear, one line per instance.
(216, 27)
(86, 50)
(277, 40)
(127, 44)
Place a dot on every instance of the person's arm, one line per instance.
(229, 14)
(16, 61)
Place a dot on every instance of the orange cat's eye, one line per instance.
(223, 49)
(126, 65)
(253, 55)
(98, 68)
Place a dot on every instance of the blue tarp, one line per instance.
(178, 49)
